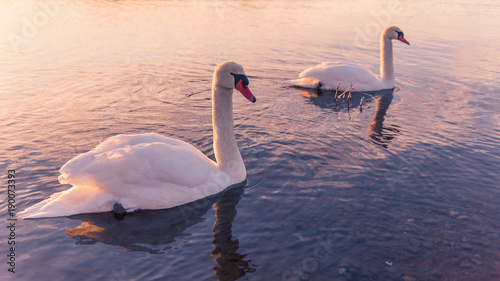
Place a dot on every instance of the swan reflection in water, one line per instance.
(153, 231)
(231, 264)
(378, 133)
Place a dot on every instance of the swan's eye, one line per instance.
(401, 37)
(240, 77)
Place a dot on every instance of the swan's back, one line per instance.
(147, 171)
(330, 74)
(84, 161)
(147, 160)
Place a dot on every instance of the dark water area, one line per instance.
(392, 185)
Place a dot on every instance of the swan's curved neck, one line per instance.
(386, 63)
(226, 150)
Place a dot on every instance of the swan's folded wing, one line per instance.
(330, 74)
(121, 145)
(143, 165)
(303, 82)
(142, 176)
(83, 161)
(76, 200)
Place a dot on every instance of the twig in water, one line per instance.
(347, 93)
(349, 97)
(341, 96)
(337, 90)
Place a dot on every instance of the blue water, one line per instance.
(392, 185)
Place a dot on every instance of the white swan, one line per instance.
(150, 171)
(328, 75)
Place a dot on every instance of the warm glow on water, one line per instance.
(400, 185)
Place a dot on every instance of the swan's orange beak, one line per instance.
(402, 39)
(245, 91)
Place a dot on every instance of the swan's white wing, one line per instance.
(83, 161)
(330, 74)
(140, 171)
(146, 160)
(307, 82)
(76, 200)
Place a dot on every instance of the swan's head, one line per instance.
(394, 32)
(231, 75)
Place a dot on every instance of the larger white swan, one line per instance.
(150, 171)
(328, 75)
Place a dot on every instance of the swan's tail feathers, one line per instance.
(307, 82)
(76, 200)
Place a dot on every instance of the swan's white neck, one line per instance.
(386, 63)
(226, 150)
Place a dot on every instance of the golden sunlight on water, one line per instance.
(44, 36)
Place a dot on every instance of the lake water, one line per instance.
(400, 185)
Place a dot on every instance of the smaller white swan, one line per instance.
(150, 171)
(328, 75)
